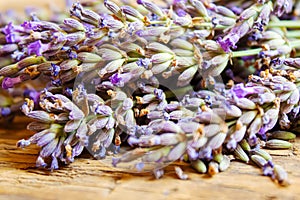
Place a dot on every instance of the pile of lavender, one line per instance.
(147, 84)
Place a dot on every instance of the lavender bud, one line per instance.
(73, 23)
(177, 151)
(278, 144)
(152, 7)
(40, 162)
(282, 135)
(186, 76)
(109, 54)
(224, 164)
(260, 161)
(182, 44)
(280, 175)
(245, 103)
(211, 130)
(49, 148)
(239, 134)
(217, 140)
(255, 125)
(261, 153)
(213, 168)
(161, 57)
(128, 10)
(157, 31)
(161, 67)
(23, 143)
(42, 116)
(240, 154)
(114, 8)
(200, 8)
(158, 47)
(37, 126)
(158, 173)
(199, 166)
(89, 57)
(224, 11)
(180, 174)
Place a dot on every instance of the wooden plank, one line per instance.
(90, 179)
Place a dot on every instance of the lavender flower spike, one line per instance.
(234, 35)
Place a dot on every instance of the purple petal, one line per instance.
(10, 82)
(9, 28)
(5, 111)
(37, 48)
(115, 79)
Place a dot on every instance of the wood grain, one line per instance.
(91, 179)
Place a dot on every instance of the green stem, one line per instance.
(293, 34)
(284, 24)
(132, 59)
(210, 25)
(230, 123)
(251, 52)
(294, 43)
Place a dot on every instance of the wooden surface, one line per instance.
(90, 179)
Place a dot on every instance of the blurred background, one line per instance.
(20, 5)
(16, 10)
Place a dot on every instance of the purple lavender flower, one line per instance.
(206, 153)
(234, 35)
(268, 168)
(29, 26)
(181, 12)
(5, 111)
(283, 6)
(13, 38)
(115, 79)
(179, 1)
(11, 35)
(241, 91)
(144, 62)
(37, 48)
(10, 82)
(55, 70)
(103, 110)
(33, 95)
(139, 1)
(8, 29)
(228, 42)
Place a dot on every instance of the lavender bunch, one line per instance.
(149, 76)
(65, 127)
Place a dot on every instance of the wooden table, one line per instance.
(90, 179)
